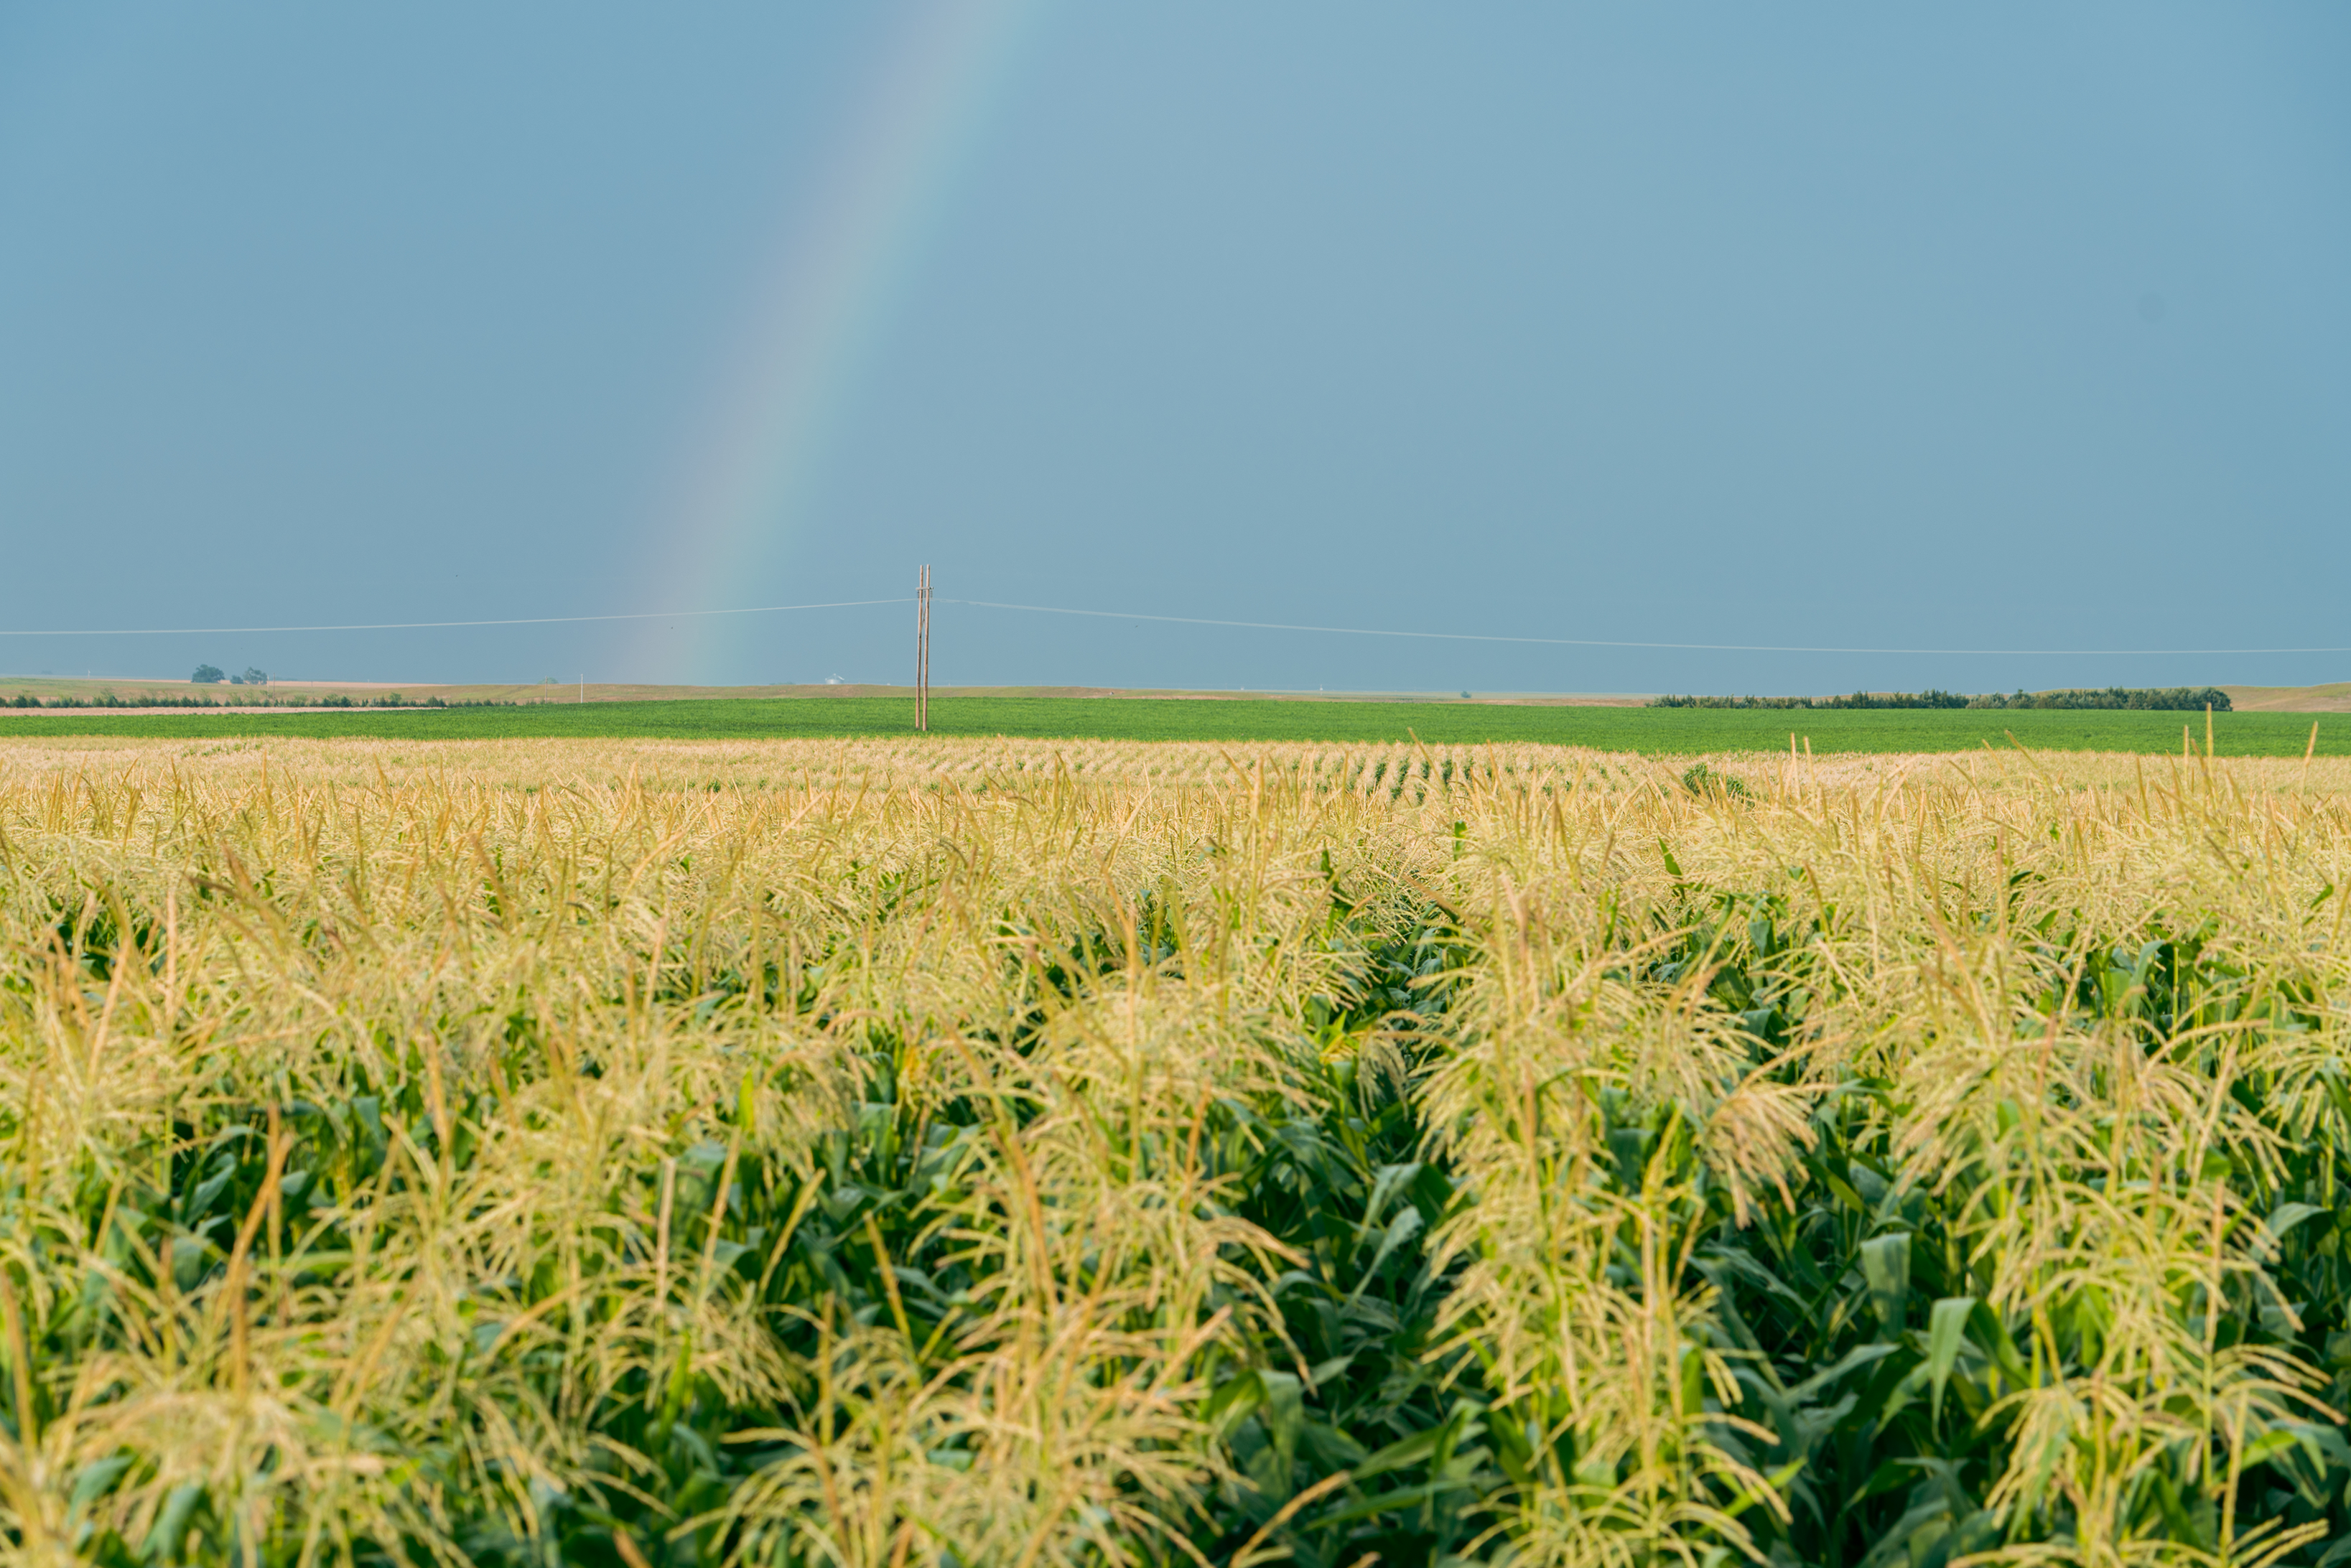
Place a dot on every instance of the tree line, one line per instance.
(2152, 699)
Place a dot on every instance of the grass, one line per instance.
(965, 1152)
(2332, 698)
(1676, 732)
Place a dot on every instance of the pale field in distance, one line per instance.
(969, 763)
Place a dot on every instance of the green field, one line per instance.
(1667, 731)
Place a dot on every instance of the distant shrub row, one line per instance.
(2165, 699)
(109, 699)
(1858, 699)
(153, 700)
(2151, 699)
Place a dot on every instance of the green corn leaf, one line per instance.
(2325, 1444)
(1852, 1360)
(1330, 1371)
(1845, 1193)
(1396, 1456)
(1387, 1502)
(1389, 1180)
(1284, 1411)
(2265, 1448)
(1892, 1476)
(1886, 1268)
(1515, 1444)
(1233, 1401)
(1779, 1480)
(92, 1481)
(1946, 1331)
(2287, 1216)
(1930, 1518)
(170, 1526)
(1993, 1338)
(1401, 1229)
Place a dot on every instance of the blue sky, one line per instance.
(1998, 327)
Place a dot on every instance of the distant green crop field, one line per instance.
(1669, 731)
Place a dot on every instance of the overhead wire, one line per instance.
(1170, 620)
(424, 625)
(1606, 643)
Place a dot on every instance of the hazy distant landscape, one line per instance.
(846, 711)
(2264, 721)
(48, 689)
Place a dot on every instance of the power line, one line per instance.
(1602, 642)
(424, 625)
(1173, 620)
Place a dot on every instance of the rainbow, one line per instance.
(728, 532)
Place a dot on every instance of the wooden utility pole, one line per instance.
(923, 648)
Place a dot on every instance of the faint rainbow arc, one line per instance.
(820, 314)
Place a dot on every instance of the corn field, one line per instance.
(992, 1154)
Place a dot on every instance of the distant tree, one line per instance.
(253, 677)
(205, 675)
